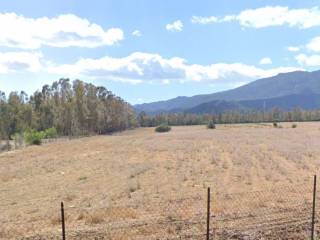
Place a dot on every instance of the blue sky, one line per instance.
(153, 50)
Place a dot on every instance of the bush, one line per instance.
(51, 133)
(34, 137)
(275, 124)
(211, 125)
(294, 125)
(163, 128)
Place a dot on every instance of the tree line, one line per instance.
(274, 115)
(77, 108)
(72, 108)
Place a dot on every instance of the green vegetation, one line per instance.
(250, 116)
(294, 125)
(211, 125)
(33, 137)
(51, 133)
(277, 125)
(63, 109)
(163, 128)
(83, 178)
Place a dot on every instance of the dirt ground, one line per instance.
(140, 175)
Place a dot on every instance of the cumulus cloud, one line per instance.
(136, 33)
(176, 26)
(293, 49)
(274, 16)
(204, 20)
(231, 74)
(146, 67)
(134, 68)
(277, 16)
(19, 62)
(265, 61)
(65, 30)
(314, 44)
(310, 61)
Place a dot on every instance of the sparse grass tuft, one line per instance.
(94, 218)
(83, 178)
(69, 197)
(6, 177)
(55, 220)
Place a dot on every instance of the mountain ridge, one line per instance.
(297, 83)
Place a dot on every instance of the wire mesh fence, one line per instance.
(280, 212)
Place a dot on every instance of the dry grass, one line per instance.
(100, 174)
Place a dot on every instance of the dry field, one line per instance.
(123, 186)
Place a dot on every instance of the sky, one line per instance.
(148, 50)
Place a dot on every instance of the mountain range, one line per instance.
(285, 91)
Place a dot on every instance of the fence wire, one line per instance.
(279, 213)
(282, 212)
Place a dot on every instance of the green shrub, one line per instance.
(275, 124)
(51, 133)
(294, 125)
(211, 125)
(163, 128)
(34, 137)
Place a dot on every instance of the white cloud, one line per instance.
(19, 62)
(231, 74)
(166, 81)
(204, 20)
(139, 100)
(176, 26)
(228, 18)
(275, 16)
(146, 67)
(314, 44)
(293, 49)
(136, 33)
(310, 61)
(65, 30)
(134, 68)
(265, 61)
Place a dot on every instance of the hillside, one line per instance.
(286, 84)
(286, 103)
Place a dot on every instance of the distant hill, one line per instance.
(285, 90)
(286, 103)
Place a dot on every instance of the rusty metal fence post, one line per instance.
(208, 215)
(62, 222)
(313, 205)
